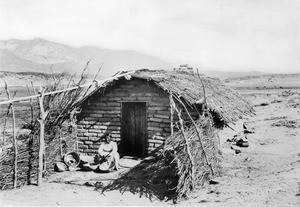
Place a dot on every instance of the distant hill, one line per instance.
(12, 62)
(230, 74)
(268, 76)
(269, 81)
(38, 55)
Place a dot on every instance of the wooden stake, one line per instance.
(73, 124)
(41, 119)
(4, 125)
(205, 108)
(31, 107)
(15, 148)
(60, 143)
(76, 139)
(5, 121)
(172, 112)
(185, 138)
(14, 137)
(199, 137)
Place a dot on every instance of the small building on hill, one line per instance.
(136, 109)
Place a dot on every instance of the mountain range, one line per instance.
(43, 56)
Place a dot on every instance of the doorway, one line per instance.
(134, 129)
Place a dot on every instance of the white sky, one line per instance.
(238, 35)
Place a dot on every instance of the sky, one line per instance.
(231, 35)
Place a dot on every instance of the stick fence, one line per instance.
(43, 114)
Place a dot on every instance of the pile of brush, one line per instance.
(154, 178)
(178, 168)
(195, 152)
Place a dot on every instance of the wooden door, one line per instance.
(134, 129)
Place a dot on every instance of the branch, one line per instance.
(199, 137)
(98, 71)
(185, 138)
(205, 101)
(31, 107)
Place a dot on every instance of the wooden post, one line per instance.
(76, 138)
(41, 119)
(60, 143)
(14, 137)
(4, 125)
(5, 119)
(31, 108)
(15, 148)
(205, 106)
(172, 112)
(73, 125)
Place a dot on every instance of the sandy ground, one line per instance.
(267, 173)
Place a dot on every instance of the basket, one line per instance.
(72, 159)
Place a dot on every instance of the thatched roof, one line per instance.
(228, 104)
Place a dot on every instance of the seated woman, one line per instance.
(108, 150)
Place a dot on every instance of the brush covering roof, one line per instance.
(227, 103)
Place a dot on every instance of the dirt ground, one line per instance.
(267, 173)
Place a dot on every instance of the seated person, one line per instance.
(108, 150)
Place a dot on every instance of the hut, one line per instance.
(136, 109)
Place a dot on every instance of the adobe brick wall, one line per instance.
(102, 113)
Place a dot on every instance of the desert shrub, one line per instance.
(287, 123)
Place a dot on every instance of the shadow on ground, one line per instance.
(152, 178)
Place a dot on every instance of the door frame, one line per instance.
(146, 132)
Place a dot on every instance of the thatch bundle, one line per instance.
(170, 173)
